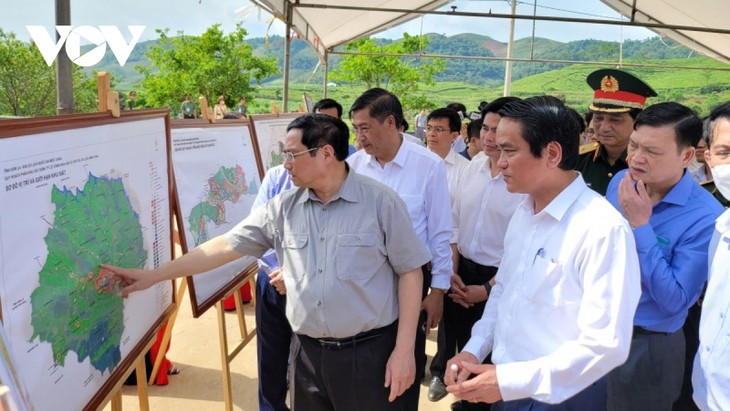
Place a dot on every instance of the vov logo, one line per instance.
(71, 37)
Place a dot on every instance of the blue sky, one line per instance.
(194, 16)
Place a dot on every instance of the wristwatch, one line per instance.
(488, 287)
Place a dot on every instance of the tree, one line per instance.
(211, 64)
(401, 75)
(28, 84)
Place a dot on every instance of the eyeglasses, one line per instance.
(589, 132)
(291, 157)
(438, 130)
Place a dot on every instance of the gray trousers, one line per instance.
(651, 378)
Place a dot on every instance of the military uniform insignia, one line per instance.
(588, 148)
(609, 84)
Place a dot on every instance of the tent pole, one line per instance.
(326, 73)
(287, 51)
(508, 64)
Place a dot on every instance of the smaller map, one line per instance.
(75, 306)
(228, 184)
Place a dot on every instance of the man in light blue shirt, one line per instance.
(672, 219)
(711, 373)
(273, 332)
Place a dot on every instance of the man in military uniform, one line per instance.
(618, 98)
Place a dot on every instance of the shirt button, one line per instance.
(321, 238)
(319, 271)
(610, 174)
(319, 302)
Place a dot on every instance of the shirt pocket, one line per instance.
(358, 256)
(546, 283)
(295, 252)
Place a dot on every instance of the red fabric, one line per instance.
(620, 95)
(166, 364)
(230, 303)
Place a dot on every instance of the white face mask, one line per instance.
(721, 177)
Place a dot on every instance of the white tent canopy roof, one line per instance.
(710, 14)
(327, 26)
(324, 26)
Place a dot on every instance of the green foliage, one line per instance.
(28, 85)
(211, 64)
(403, 76)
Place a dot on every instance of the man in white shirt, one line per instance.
(711, 373)
(482, 212)
(419, 177)
(560, 315)
(442, 128)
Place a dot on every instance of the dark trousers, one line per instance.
(651, 378)
(411, 395)
(460, 320)
(273, 339)
(326, 378)
(445, 347)
(691, 330)
(593, 398)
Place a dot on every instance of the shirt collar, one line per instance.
(722, 224)
(560, 204)
(400, 156)
(451, 157)
(346, 192)
(679, 194)
(604, 154)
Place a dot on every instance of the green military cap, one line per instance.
(617, 91)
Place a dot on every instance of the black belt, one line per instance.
(643, 331)
(483, 272)
(348, 342)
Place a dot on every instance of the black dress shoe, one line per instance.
(456, 406)
(436, 389)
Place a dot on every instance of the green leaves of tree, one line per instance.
(211, 64)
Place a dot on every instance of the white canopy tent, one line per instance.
(667, 17)
(326, 24)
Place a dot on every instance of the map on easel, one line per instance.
(217, 177)
(270, 132)
(78, 192)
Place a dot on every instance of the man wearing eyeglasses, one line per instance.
(419, 177)
(352, 283)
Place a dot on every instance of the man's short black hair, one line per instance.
(578, 119)
(380, 104)
(326, 103)
(497, 104)
(459, 108)
(687, 125)
(319, 130)
(475, 128)
(721, 111)
(449, 114)
(544, 119)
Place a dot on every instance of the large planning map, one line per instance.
(72, 200)
(216, 179)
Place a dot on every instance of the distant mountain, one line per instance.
(304, 61)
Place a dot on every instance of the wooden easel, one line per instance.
(226, 356)
(205, 110)
(108, 99)
(115, 396)
(246, 337)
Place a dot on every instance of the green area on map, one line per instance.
(228, 184)
(75, 306)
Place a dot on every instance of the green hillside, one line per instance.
(471, 81)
